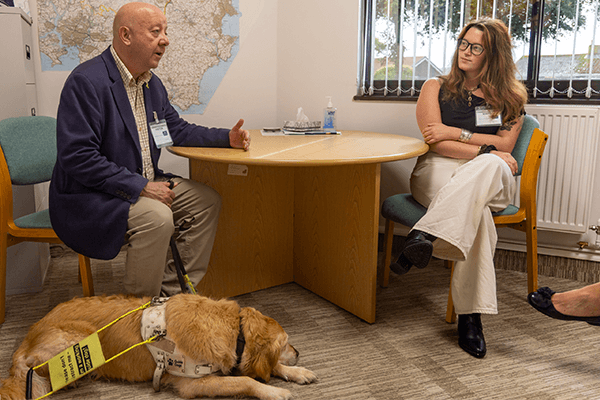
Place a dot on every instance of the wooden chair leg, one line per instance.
(532, 256)
(85, 272)
(450, 313)
(3, 247)
(388, 239)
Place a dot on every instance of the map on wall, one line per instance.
(204, 39)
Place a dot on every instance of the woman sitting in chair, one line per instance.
(471, 119)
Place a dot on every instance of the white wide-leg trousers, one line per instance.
(460, 196)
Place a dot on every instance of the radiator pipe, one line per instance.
(596, 245)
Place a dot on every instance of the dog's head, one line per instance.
(266, 345)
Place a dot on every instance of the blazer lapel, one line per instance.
(120, 96)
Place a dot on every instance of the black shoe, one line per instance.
(542, 301)
(401, 266)
(417, 251)
(470, 335)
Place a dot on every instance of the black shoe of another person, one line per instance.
(417, 251)
(470, 335)
(542, 301)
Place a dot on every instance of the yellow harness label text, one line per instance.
(75, 361)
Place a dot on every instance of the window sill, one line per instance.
(539, 100)
(412, 99)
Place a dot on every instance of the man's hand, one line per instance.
(239, 138)
(159, 191)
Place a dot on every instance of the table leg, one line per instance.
(335, 234)
(253, 247)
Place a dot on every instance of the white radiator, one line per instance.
(566, 179)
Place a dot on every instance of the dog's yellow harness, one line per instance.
(79, 359)
(166, 354)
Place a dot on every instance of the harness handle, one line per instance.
(184, 280)
(29, 384)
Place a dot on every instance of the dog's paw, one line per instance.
(275, 393)
(304, 376)
(297, 374)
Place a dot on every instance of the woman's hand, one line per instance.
(436, 132)
(509, 159)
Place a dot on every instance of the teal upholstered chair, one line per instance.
(27, 157)
(528, 150)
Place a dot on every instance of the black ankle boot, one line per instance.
(417, 251)
(470, 335)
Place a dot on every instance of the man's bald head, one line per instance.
(130, 15)
(140, 36)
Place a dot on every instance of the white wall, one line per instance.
(293, 54)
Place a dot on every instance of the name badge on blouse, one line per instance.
(160, 132)
(483, 117)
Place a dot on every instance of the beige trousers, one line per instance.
(193, 218)
(461, 196)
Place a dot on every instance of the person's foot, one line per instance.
(470, 335)
(417, 251)
(541, 300)
(401, 266)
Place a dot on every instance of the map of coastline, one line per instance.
(204, 40)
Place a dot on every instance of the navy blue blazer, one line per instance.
(98, 170)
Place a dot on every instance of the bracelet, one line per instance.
(465, 135)
(486, 148)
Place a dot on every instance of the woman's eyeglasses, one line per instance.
(476, 49)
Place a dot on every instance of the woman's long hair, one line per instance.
(502, 91)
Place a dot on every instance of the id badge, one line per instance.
(483, 117)
(161, 134)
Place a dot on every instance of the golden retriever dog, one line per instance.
(201, 328)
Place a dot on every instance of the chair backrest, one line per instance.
(529, 178)
(29, 147)
(520, 150)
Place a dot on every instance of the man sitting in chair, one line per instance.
(113, 118)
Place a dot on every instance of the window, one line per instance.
(556, 45)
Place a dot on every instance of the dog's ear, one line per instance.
(264, 340)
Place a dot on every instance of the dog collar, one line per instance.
(241, 343)
(165, 352)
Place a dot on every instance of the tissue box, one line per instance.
(302, 126)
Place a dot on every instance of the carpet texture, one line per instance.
(410, 352)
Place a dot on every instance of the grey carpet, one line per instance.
(409, 353)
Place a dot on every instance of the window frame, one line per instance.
(388, 90)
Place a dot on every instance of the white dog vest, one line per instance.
(167, 356)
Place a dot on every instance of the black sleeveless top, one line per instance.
(458, 114)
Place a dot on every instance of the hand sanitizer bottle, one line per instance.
(329, 124)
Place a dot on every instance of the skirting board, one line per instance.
(585, 254)
(551, 266)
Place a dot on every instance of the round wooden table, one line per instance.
(299, 208)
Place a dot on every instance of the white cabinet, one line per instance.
(25, 262)
(17, 73)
